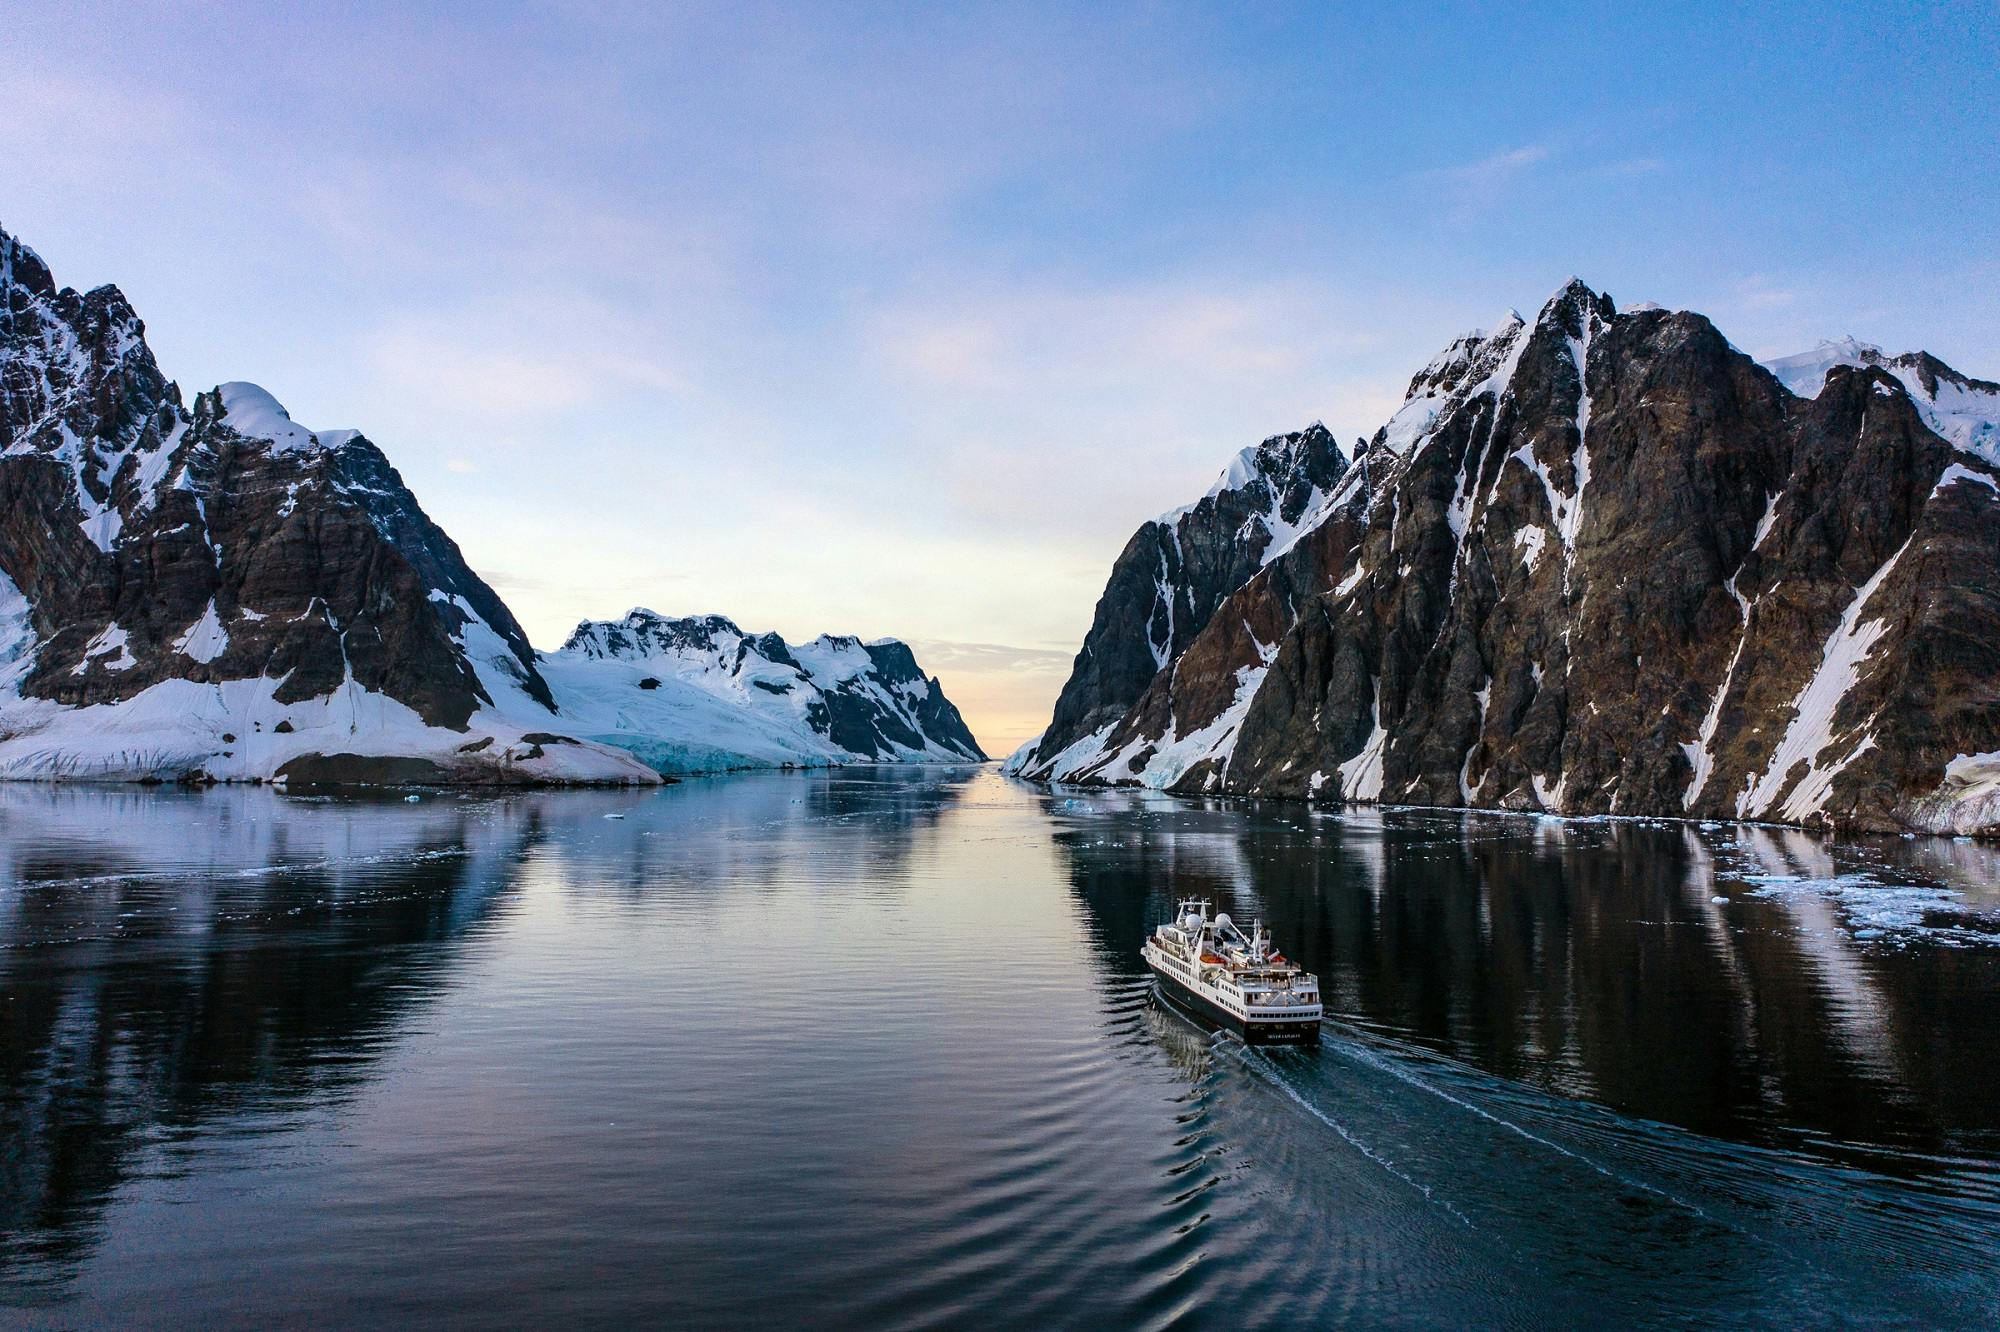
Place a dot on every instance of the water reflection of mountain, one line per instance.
(760, 828)
(1590, 959)
(171, 960)
(168, 959)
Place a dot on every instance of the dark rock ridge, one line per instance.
(1604, 563)
(1179, 567)
(697, 693)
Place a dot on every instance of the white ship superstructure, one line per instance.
(1211, 965)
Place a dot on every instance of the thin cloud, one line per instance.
(947, 654)
(81, 122)
(500, 367)
(1633, 166)
(506, 580)
(1758, 292)
(1483, 182)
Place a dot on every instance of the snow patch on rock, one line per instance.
(110, 639)
(1810, 731)
(205, 639)
(1361, 776)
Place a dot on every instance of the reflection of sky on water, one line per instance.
(881, 1042)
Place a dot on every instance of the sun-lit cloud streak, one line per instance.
(899, 323)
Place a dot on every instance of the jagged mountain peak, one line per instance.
(642, 615)
(27, 282)
(1178, 568)
(895, 658)
(1467, 365)
(1282, 470)
(1281, 458)
(20, 265)
(1449, 368)
(1571, 306)
(700, 621)
(646, 633)
(81, 392)
(1486, 361)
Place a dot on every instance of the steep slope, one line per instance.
(700, 695)
(1170, 578)
(219, 593)
(1605, 563)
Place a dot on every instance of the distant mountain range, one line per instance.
(695, 694)
(1599, 562)
(214, 592)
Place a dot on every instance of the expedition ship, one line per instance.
(1212, 967)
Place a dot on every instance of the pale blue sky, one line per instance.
(898, 319)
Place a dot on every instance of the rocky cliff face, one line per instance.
(697, 694)
(1173, 574)
(1605, 563)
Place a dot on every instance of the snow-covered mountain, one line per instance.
(1602, 562)
(1962, 410)
(699, 695)
(217, 592)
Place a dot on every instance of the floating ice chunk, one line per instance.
(1940, 915)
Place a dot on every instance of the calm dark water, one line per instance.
(875, 1050)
